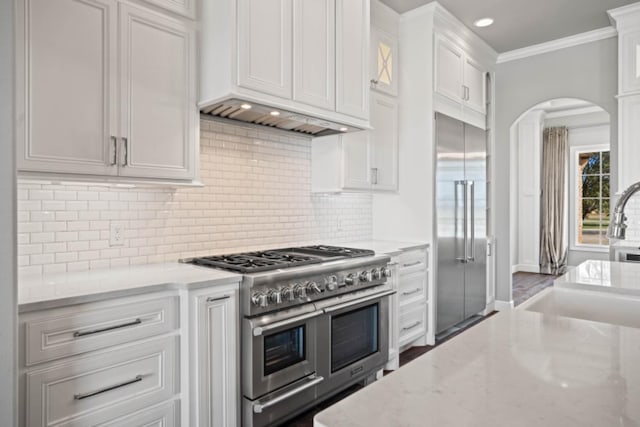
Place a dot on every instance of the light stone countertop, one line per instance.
(517, 368)
(606, 276)
(36, 292)
(388, 247)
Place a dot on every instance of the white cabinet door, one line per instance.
(158, 108)
(314, 52)
(214, 373)
(66, 105)
(630, 61)
(474, 80)
(265, 46)
(384, 142)
(384, 62)
(448, 70)
(352, 66)
(356, 161)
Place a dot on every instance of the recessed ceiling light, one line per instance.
(344, 129)
(246, 106)
(275, 113)
(484, 22)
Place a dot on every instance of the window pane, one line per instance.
(606, 166)
(590, 186)
(589, 163)
(605, 186)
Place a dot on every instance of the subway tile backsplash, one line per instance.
(632, 211)
(256, 195)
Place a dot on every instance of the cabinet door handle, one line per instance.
(212, 299)
(108, 328)
(374, 175)
(466, 91)
(125, 143)
(81, 396)
(374, 82)
(114, 159)
(411, 264)
(415, 291)
(413, 325)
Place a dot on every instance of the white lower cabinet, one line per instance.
(162, 359)
(410, 307)
(213, 367)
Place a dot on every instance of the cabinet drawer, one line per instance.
(412, 287)
(68, 331)
(412, 260)
(413, 323)
(165, 415)
(96, 389)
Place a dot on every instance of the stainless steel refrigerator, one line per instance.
(460, 221)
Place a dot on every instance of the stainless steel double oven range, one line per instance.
(314, 321)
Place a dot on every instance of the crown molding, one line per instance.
(563, 43)
(625, 16)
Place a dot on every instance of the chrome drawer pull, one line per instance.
(411, 264)
(406, 328)
(108, 328)
(212, 299)
(81, 396)
(415, 291)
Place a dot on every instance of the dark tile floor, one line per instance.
(525, 285)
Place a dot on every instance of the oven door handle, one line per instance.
(358, 301)
(259, 330)
(313, 380)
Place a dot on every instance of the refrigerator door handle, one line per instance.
(472, 222)
(463, 258)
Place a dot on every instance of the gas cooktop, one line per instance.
(258, 261)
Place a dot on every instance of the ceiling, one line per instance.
(522, 23)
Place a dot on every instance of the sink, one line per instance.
(616, 309)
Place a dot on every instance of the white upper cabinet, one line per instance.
(360, 161)
(302, 56)
(265, 46)
(449, 69)
(384, 62)
(352, 41)
(67, 87)
(106, 89)
(157, 95)
(357, 161)
(459, 83)
(314, 46)
(474, 81)
(384, 142)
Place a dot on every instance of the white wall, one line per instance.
(588, 72)
(256, 195)
(8, 294)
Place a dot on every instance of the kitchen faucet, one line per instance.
(617, 227)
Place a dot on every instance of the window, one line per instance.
(592, 180)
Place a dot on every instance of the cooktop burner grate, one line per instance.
(258, 261)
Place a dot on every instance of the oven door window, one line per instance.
(354, 336)
(284, 349)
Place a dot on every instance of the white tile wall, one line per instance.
(256, 194)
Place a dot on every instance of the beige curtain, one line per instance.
(553, 245)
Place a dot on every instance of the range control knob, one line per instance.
(365, 276)
(288, 293)
(350, 279)
(376, 274)
(300, 291)
(313, 288)
(386, 272)
(331, 283)
(275, 296)
(260, 299)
